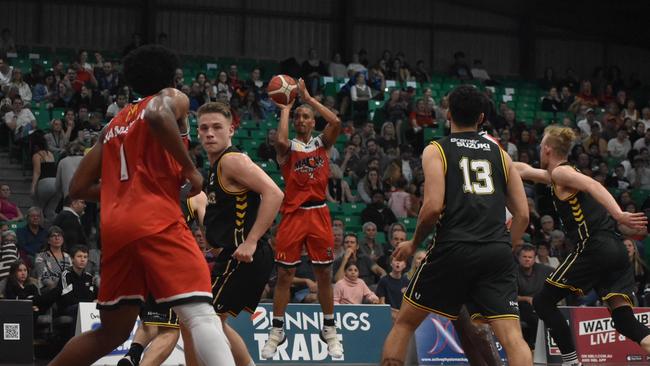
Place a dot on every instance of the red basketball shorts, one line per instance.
(306, 227)
(168, 265)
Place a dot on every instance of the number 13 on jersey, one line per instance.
(482, 184)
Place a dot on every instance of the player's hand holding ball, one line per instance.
(404, 250)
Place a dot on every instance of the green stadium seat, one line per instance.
(352, 208)
(639, 196)
(335, 208)
(15, 225)
(409, 223)
(269, 167)
(58, 113)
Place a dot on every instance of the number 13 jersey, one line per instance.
(140, 181)
(475, 190)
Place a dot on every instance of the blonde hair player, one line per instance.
(588, 213)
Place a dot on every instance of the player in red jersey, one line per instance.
(147, 247)
(305, 217)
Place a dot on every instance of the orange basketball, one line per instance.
(283, 89)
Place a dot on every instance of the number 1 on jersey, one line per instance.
(483, 170)
(124, 170)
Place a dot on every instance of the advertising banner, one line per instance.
(437, 343)
(595, 338)
(362, 330)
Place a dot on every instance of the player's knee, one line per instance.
(626, 323)
(191, 314)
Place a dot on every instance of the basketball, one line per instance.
(283, 89)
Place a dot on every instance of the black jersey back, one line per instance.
(229, 216)
(581, 215)
(475, 190)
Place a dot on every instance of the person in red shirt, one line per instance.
(141, 161)
(305, 217)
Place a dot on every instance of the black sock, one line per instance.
(329, 322)
(277, 323)
(135, 351)
(546, 308)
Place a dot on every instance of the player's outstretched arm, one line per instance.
(568, 177)
(163, 113)
(527, 172)
(85, 181)
(516, 202)
(240, 169)
(333, 128)
(432, 205)
(283, 143)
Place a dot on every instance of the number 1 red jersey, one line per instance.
(140, 181)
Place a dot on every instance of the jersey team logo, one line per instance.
(308, 165)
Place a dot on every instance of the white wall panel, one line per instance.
(413, 10)
(375, 39)
(88, 26)
(319, 7)
(445, 13)
(500, 54)
(283, 38)
(201, 33)
(560, 54)
(18, 16)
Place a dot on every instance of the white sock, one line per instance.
(210, 343)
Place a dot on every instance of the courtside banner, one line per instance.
(595, 338)
(597, 341)
(361, 328)
(437, 343)
(88, 319)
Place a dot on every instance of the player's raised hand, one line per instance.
(636, 220)
(303, 92)
(284, 107)
(404, 250)
(196, 181)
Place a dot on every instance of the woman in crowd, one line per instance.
(43, 176)
(638, 266)
(370, 184)
(338, 190)
(52, 261)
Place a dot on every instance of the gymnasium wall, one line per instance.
(276, 29)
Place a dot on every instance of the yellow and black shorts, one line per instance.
(160, 315)
(601, 263)
(480, 275)
(238, 286)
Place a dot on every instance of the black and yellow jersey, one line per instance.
(475, 190)
(229, 215)
(189, 212)
(581, 215)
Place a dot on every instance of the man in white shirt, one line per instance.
(23, 88)
(619, 147)
(5, 72)
(355, 67)
(645, 117)
(585, 124)
(640, 173)
(479, 72)
(20, 119)
(116, 106)
(642, 142)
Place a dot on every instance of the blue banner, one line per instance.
(438, 344)
(362, 330)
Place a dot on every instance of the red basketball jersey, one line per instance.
(305, 173)
(140, 181)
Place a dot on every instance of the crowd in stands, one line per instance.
(391, 108)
